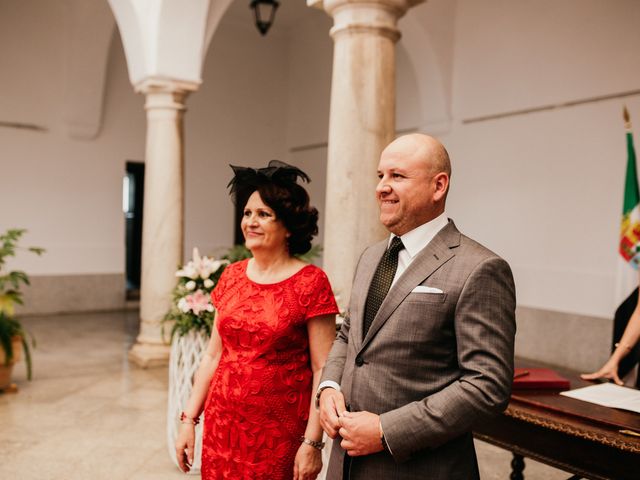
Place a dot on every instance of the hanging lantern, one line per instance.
(264, 12)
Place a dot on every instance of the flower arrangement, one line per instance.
(192, 308)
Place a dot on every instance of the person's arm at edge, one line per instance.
(629, 339)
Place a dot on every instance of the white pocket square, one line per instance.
(425, 289)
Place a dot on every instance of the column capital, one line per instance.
(165, 93)
(330, 5)
(365, 16)
(165, 85)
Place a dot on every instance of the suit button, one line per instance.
(359, 361)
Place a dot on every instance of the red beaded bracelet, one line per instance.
(185, 419)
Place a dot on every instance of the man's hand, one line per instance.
(360, 432)
(331, 407)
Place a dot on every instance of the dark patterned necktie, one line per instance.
(381, 282)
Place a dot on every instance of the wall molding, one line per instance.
(571, 340)
(49, 294)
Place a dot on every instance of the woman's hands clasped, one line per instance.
(308, 463)
(185, 444)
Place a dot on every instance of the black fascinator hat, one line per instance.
(278, 188)
(277, 172)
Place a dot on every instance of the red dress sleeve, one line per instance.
(219, 289)
(321, 298)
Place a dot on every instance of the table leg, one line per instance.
(517, 467)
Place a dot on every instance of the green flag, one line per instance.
(630, 226)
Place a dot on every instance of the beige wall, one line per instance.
(543, 189)
(67, 192)
(237, 117)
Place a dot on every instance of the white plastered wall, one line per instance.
(545, 189)
(67, 192)
(310, 51)
(542, 189)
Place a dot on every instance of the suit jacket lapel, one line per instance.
(368, 270)
(432, 257)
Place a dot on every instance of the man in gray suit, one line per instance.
(426, 350)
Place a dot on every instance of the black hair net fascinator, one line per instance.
(276, 172)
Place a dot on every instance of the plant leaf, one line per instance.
(7, 304)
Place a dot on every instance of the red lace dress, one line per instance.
(259, 398)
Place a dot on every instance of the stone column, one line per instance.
(162, 228)
(362, 123)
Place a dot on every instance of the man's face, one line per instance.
(408, 190)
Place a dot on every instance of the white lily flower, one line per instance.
(188, 271)
(200, 267)
(208, 266)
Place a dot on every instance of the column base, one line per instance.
(150, 355)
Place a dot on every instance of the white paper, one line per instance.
(609, 395)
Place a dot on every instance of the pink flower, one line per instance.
(197, 302)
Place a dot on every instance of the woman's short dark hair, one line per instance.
(290, 202)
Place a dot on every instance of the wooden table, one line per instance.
(569, 434)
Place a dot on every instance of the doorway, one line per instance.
(132, 205)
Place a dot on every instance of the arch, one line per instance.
(90, 33)
(167, 38)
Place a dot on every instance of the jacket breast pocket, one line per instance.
(426, 319)
(426, 297)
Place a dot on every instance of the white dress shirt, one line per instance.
(416, 240)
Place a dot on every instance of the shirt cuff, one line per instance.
(385, 444)
(322, 386)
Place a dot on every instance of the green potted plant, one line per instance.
(13, 336)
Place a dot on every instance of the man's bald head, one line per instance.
(414, 175)
(426, 148)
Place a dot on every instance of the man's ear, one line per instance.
(441, 182)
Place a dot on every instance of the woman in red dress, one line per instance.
(274, 327)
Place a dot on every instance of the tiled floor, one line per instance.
(88, 414)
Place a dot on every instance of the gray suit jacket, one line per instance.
(431, 364)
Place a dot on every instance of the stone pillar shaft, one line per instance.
(163, 224)
(362, 123)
